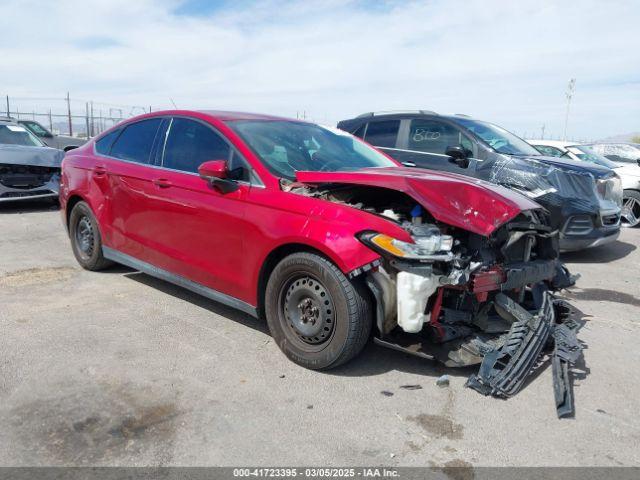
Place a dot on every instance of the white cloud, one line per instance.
(508, 62)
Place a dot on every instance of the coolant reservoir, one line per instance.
(413, 292)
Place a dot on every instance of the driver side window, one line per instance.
(431, 136)
(190, 143)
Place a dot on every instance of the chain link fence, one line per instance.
(86, 118)
(69, 116)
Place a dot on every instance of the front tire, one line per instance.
(630, 209)
(86, 241)
(317, 316)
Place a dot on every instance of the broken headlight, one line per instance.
(610, 189)
(431, 245)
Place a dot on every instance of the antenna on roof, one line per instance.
(173, 103)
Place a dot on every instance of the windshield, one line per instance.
(17, 135)
(585, 153)
(498, 138)
(286, 147)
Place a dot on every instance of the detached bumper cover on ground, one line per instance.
(504, 369)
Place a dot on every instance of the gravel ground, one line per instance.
(117, 368)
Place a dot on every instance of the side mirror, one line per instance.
(215, 172)
(48, 135)
(213, 169)
(458, 155)
(639, 162)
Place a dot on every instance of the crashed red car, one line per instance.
(328, 238)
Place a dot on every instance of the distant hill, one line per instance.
(620, 138)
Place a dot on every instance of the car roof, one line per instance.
(221, 115)
(407, 113)
(614, 143)
(355, 122)
(553, 143)
(227, 116)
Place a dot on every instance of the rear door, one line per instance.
(199, 231)
(132, 197)
(382, 134)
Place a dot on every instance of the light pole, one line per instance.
(570, 89)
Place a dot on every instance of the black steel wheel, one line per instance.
(318, 317)
(308, 310)
(86, 241)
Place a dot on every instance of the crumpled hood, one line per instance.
(474, 205)
(35, 156)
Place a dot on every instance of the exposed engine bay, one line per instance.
(466, 299)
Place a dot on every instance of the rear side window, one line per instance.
(383, 134)
(434, 137)
(190, 144)
(103, 145)
(136, 141)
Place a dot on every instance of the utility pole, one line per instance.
(50, 121)
(8, 110)
(571, 88)
(542, 132)
(93, 125)
(69, 115)
(86, 118)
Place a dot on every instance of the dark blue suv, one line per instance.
(583, 199)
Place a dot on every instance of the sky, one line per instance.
(501, 61)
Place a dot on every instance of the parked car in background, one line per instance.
(618, 152)
(584, 200)
(61, 142)
(628, 171)
(326, 237)
(28, 168)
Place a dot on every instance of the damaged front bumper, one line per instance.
(515, 323)
(28, 185)
(505, 368)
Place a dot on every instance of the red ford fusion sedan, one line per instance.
(326, 237)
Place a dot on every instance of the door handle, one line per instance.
(162, 183)
(99, 171)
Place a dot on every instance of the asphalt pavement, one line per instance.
(118, 368)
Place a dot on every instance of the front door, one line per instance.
(200, 230)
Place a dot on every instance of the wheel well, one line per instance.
(270, 263)
(71, 202)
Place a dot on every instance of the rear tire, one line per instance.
(317, 316)
(86, 241)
